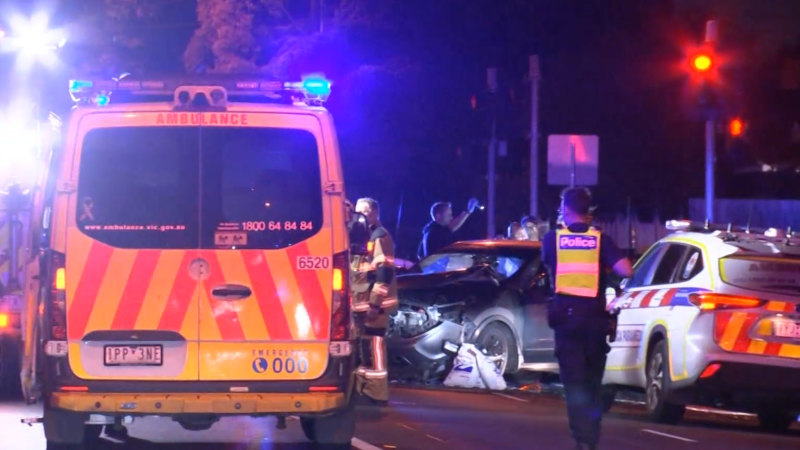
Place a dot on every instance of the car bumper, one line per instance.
(750, 386)
(425, 354)
(198, 403)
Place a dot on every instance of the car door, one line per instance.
(538, 337)
(646, 304)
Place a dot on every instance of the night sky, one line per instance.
(404, 74)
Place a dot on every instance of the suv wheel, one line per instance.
(659, 386)
(498, 343)
(64, 429)
(335, 430)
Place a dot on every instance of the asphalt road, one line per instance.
(434, 419)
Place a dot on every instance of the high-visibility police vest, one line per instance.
(578, 262)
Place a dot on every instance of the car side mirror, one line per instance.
(359, 233)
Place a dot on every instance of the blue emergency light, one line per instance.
(317, 86)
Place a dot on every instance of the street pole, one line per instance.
(491, 81)
(710, 38)
(535, 74)
(572, 164)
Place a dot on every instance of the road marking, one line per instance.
(434, 438)
(510, 396)
(668, 435)
(361, 445)
(407, 427)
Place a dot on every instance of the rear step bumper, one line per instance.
(202, 403)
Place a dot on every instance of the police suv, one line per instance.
(712, 316)
(193, 261)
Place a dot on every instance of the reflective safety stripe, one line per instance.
(578, 267)
(378, 357)
(578, 262)
(378, 367)
(369, 373)
(388, 303)
(361, 307)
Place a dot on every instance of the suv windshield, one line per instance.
(779, 275)
(190, 187)
(504, 265)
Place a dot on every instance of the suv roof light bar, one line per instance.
(312, 90)
(736, 232)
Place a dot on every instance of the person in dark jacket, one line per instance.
(438, 233)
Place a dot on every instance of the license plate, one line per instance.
(787, 329)
(133, 355)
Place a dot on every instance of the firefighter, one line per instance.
(578, 256)
(374, 300)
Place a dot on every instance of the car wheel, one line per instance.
(9, 368)
(659, 386)
(775, 421)
(308, 428)
(498, 343)
(63, 428)
(332, 431)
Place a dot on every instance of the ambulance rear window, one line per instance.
(192, 187)
(137, 187)
(261, 187)
(778, 275)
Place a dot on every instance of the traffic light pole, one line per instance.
(710, 38)
(710, 170)
(533, 64)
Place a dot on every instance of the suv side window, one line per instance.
(643, 268)
(693, 264)
(669, 263)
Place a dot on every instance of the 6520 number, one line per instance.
(313, 262)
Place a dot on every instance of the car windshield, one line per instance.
(505, 265)
(779, 275)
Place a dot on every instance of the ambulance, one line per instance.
(193, 261)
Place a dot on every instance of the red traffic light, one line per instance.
(736, 127)
(702, 62)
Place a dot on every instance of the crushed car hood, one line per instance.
(433, 280)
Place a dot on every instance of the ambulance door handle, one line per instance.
(231, 292)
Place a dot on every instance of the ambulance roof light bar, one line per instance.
(735, 231)
(312, 90)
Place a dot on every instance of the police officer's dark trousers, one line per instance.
(581, 350)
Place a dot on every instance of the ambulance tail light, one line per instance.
(56, 309)
(710, 301)
(340, 304)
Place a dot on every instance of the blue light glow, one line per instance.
(102, 99)
(77, 85)
(317, 86)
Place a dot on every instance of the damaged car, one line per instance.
(491, 293)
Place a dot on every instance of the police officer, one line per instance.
(374, 299)
(578, 256)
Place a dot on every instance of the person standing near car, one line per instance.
(578, 256)
(374, 300)
(439, 232)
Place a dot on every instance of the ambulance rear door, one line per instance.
(265, 235)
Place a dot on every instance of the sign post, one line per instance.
(572, 159)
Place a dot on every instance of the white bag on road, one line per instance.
(490, 373)
(472, 369)
(465, 372)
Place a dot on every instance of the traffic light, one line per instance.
(702, 62)
(736, 127)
